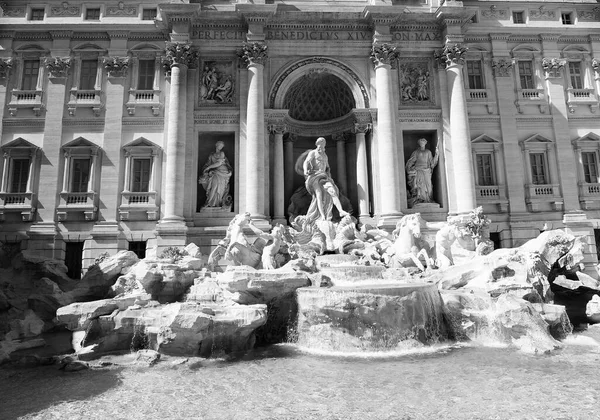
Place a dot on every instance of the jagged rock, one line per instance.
(97, 281)
(147, 357)
(3, 302)
(592, 310)
(30, 326)
(209, 291)
(193, 250)
(522, 326)
(469, 314)
(301, 264)
(29, 266)
(190, 263)
(557, 319)
(9, 346)
(77, 316)
(554, 244)
(75, 366)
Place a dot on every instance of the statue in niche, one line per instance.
(419, 169)
(215, 178)
(314, 165)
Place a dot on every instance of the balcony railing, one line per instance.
(77, 202)
(490, 192)
(531, 94)
(577, 97)
(18, 202)
(85, 99)
(21, 99)
(543, 190)
(589, 190)
(477, 94)
(136, 202)
(144, 98)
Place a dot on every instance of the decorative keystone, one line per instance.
(384, 54)
(451, 55)
(180, 54)
(116, 66)
(502, 67)
(58, 66)
(5, 66)
(253, 53)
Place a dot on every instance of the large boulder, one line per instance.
(592, 310)
(521, 325)
(78, 316)
(469, 315)
(96, 283)
(557, 319)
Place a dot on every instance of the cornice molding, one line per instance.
(97, 122)
(33, 36)
(154, 122)
(24, 122)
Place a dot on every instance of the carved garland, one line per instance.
(317, 60)
(58, 66)
(253, 53)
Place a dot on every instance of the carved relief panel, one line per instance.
(217, 83)
(415, 82)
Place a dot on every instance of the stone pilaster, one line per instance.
(6, 65)
(254, 55)
(452, 56)
(278, 172)
(340, 148)
(383, 55)
(362, 169)
(288, 156)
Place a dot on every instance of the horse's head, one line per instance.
(412, 223)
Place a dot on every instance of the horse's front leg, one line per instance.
(415, 260)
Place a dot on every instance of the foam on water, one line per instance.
(390, 354)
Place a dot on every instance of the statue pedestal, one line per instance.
(214, 216)
(424, 207)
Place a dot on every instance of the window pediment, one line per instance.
(20, 144)
(81, 144)
(588, 141)
(142, 145)
(536, 142)
(485, 143)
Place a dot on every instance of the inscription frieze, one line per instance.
(303, 35)
(216, 118)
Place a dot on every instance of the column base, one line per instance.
(170, 233)
(279, 219)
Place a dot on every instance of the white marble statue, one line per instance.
(215, 178)
(419, 169)
(408, 249)
(320, 185)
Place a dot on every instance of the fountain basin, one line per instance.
(370, 317)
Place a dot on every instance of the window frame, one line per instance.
(481, 74)
(548, 193)
(145, 98)
(593, 153)
(571, 17)
(523, 17)
(33, 9)
(146, 9)
(93, 7)
(495, 193)
(532, 75)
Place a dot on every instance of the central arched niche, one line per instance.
(318, 96)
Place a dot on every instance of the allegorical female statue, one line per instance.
(419, 169)
(215, 178)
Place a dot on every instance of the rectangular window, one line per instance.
(566, 18)
(92, 14)
(89, 69)
(590, 167)
(485, 170)
(19, 175)
(80, 175)
(575, 75)
(526, 74)
(73, 257)
(37, 14)
(140, 179)
(146, 75)
(475, 73)
(31, 70)
(538, 169)
(518, 17)
(149, 14)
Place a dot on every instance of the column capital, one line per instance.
(291, 137)
(596, 65)
(553, 66)
(57, 66)
(339, 137)
(277, 128)
(502, 66)
(362, 128)
(383, 54)
(451, 55)
(116, 66)
(180, 54)
(253, 53)
(5, 67)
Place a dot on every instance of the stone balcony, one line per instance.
(25, 99)
(577, 97)
(589, 195)
(144, 99)
(492, 195)
(481, 97)
(79, 202)
(527, 97)
(85, 99)
(539, 194)
(18, 202)
(138, 202)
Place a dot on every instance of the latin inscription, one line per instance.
(285, 35)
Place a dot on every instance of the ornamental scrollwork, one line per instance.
(5, 66)
(58, 66)
(116, 66)
(502, 67)
(253, 53)
(384, 54)
(180, 53)
(553, 66)
(451, 55)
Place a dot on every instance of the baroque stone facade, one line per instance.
(108, 122)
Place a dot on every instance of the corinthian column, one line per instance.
(254, 55)
(179, 56)
(383, 55)
(278, 175)
(362, 172)
(460, 137)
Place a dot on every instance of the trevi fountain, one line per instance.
(321, 319)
